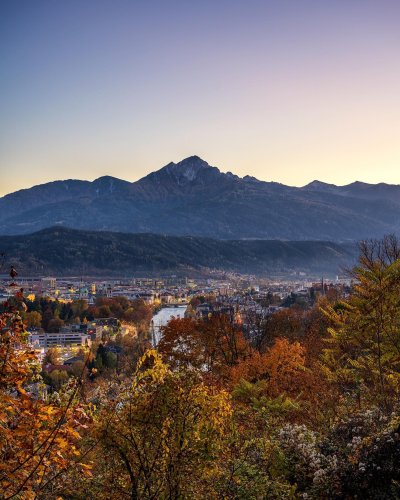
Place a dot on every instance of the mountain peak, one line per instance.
(108, 185)
(250, 178)
(322, 187)
(187, 169)
(193, 162)
(193, 158)
(318, 184)
(106, 178)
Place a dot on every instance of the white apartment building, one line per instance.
(61, 339)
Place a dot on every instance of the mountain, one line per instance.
(192, 197)
(68, 252)
(358, 189)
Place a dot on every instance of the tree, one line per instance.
(181, 343)
(52, 356)
(79, 307)
(47, 316)
(38, 440)
(280, 367)
(110, 360)
(363, 354)
(54, 325)
(212, 345)
(133, 348)
(163, 434)
(78, 368)
(138, 313)
(104, 311)
(33, 319)
(57, 379)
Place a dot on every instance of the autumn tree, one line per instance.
(52, 356)
(181, 343)
(162, 435)
(47, 316)
(212, 345)
(139, 313)
(280, 366)
(133, 348)
(33, 319)
(55, 325)
(57, 378)
(38, 440)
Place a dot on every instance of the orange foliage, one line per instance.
(291, 365)
(181, 343)
(280, 366)
(212, 345)
(286, 323)
(37, 439)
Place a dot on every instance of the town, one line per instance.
(241, 297)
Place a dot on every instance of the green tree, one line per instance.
(363, 356)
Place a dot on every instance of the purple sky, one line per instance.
(285, 90)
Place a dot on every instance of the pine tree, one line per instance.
(363, 356)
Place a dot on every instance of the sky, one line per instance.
(284, 90)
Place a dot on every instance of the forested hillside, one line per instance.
(66, 252)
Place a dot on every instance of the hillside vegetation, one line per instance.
(300, 403)
(63, 251)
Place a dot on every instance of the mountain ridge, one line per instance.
(193, 197)
(309, 185)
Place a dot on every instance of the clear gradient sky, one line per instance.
(285, 90)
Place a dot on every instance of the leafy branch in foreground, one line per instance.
(37, 438)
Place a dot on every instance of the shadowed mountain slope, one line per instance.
(192, 197)
(63, 251)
